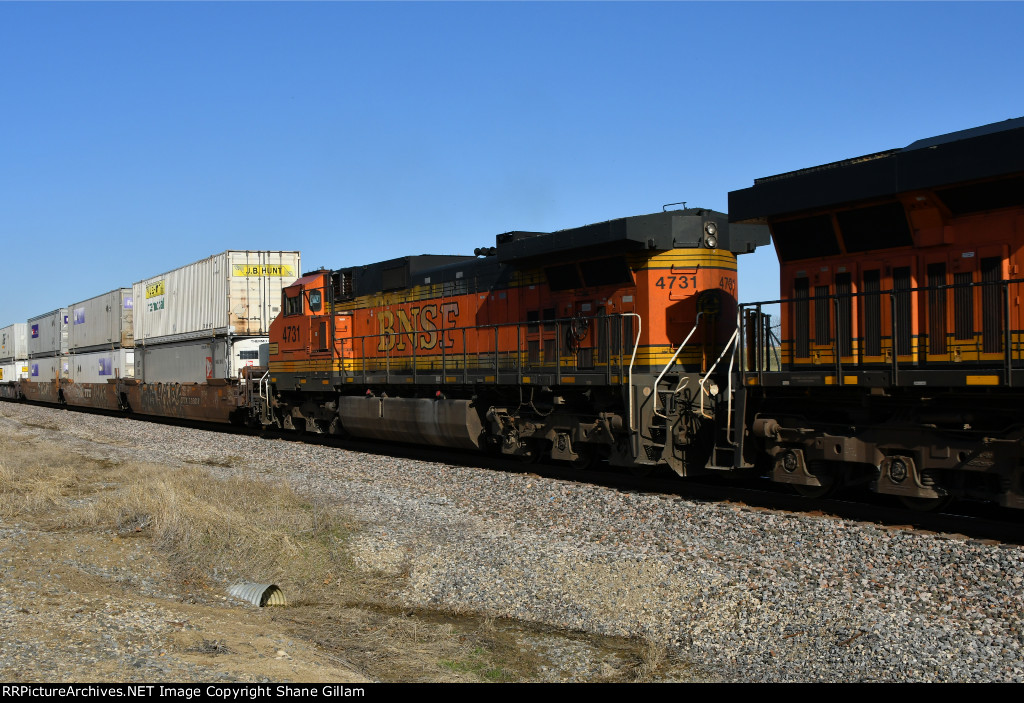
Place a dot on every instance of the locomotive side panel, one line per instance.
(934, 304)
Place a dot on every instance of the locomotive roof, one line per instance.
(657, 231)
(666, 230)
(989, 151)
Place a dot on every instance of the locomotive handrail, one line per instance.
(669, 365)
(701, 382)
(264, 383)
(488, 340)
(893, 327)
(985, 336)
(632, 359)
(1008, 336)
(728, 389)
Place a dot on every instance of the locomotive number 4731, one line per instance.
(291, 333)
(686, 282)
(676, 282)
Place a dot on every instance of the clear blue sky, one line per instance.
(137, 137)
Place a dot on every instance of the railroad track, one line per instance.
(968, 520)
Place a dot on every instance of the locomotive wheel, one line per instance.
(829, 485)
(585, 459)
(816, 491)
(925, 505)
(535, 454)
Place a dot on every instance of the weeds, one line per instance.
(477, 664)
(237, 527)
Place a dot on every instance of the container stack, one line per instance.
(13, 352)
(100, 338)
(208, 320)
(47, 336)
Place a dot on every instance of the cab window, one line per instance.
(315, 300)
(292, 304)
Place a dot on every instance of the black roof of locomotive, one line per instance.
(657, 231)
(671, 229)
(972, 154)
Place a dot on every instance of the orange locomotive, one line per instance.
(901, 354)
(604, 341)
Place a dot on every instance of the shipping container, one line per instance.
(48, 334)
(14, 342)
(103, 322)
(232, 293)
(47, 368)
(200, 360)
(101, 366)
(13, 371)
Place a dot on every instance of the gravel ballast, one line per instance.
(746, 595)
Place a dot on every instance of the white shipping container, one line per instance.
(101, 366)
(47, 368)
(14, 370)
(235, 292)
(48, 334)
(103, 322)
(200, 360)
(14, 342)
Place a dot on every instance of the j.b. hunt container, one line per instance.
(13, 342)
(199, 361)
(48, 334)
(103, 322)
(232, 293)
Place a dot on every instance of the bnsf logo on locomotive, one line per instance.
(417, 325)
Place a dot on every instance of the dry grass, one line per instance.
(236, 528)
(247, 529)
(653, 656)
(39, 488)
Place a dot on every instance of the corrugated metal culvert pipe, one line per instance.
(261, 594)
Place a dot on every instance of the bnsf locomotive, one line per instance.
(610, 341)
(902, 363)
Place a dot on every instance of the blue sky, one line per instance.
(137, 137)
